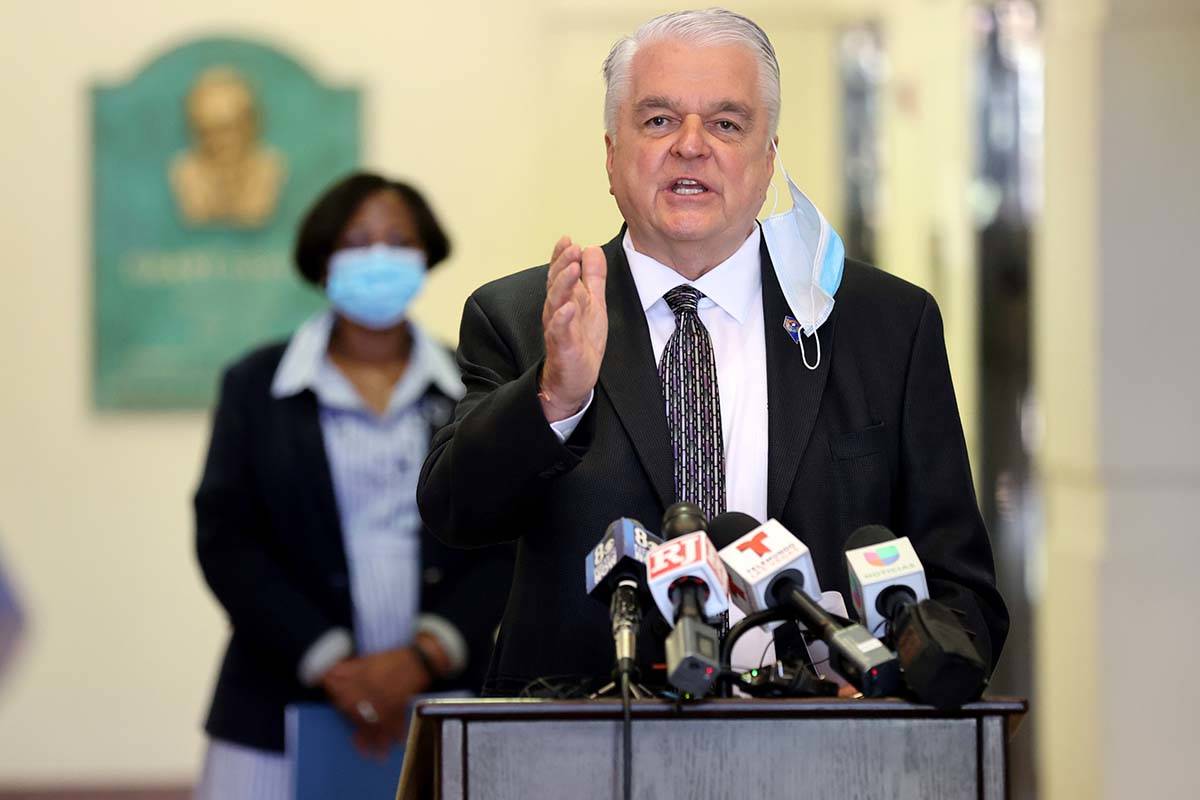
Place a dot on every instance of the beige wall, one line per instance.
(95, 509)
(1116, 353)
(1067, 382)
(495, 110)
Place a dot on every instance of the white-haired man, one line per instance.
(701, 356)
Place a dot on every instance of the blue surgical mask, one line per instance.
(374, 285)
(808, 257)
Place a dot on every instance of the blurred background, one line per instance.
(1030, 163)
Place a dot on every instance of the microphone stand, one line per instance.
(626, 618)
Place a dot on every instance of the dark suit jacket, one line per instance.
(269, 542)
(872, 436)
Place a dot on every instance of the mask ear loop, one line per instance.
(787, 178)
(812, 301)
(774, 185)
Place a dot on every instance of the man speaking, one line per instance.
(702, 356)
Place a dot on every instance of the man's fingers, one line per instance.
(575, 290)
(562, 244)
(559, 332)
(561, 290)
(594, 271)
(567, 256)
(559, 329)
(582, 298)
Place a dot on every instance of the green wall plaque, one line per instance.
(203, 166)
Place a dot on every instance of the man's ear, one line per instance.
(609, 146)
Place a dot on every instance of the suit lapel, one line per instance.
(793, 390)
(314, 478)
(629, 375)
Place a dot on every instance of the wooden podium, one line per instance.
(716, 749)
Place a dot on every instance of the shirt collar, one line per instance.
(305, 365)
(301, 362)
(732, 285)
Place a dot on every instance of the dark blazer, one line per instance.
(872, 436)
(269, 541)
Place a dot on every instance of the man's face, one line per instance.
(223, 122)
(691, 160)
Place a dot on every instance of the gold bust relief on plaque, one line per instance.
(228, 176)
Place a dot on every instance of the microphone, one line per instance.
(727, 528)
(885, 575)
(683, 518)
(769, 567)
(724, 530)
(615, 574)
(689, 585)
(887, 582)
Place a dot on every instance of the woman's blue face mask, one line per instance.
(375, 285)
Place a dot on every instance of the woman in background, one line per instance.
(306, 520)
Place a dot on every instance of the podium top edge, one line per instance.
(523, 708)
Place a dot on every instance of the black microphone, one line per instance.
(681, 519)
(727, 528)
(616, 576)
(769, 567)
(940, 664)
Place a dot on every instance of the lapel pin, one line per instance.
(792, 327)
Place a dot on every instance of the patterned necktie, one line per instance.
(689, 377)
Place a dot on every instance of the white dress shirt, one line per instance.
(731, 310)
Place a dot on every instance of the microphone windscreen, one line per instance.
(868, 535)
(689, 557)
(620, 554)
(941, 665)
(727, 528)
(681, 519)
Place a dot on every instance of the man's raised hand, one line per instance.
(575, 327)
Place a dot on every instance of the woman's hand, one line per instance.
(374, 692)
